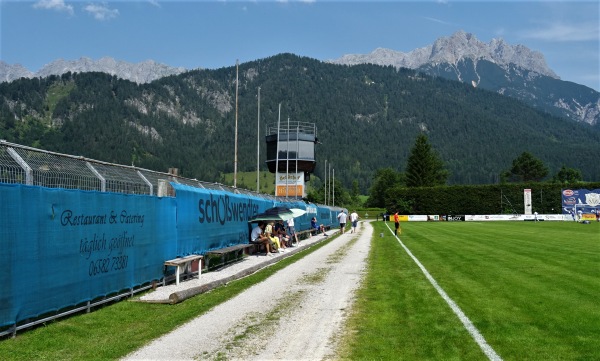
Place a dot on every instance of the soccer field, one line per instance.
(530, 290)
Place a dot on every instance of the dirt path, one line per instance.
(296, 314)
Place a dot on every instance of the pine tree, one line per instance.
(424, 167)
(526, 168)
(568, 175)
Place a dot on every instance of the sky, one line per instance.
(215, 34)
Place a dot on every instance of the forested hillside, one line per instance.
(367, 117)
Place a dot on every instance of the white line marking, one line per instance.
(477, 336)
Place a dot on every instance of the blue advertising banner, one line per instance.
(575, 200)
(65, 247)
(209, 219)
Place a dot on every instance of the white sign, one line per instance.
(282, 179)
(515, 217)
(527, 200)
(289, 185)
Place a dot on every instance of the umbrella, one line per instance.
(278, 213)
(273, 214)
(278, 210)
(297, 212)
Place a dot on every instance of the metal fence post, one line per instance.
(23, 164)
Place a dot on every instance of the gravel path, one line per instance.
(296, 314)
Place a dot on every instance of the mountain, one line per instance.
(13, 72)
(143, 72)
(367, 118)
(512, 70)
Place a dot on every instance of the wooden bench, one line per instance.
(304, 234)
(183, 263)
(238, 249)
(309, 232)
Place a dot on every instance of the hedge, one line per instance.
(480, 199)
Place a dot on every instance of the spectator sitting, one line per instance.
(322, 228)
(280, 232)
(316, 229)
(270, 232)
(258, 236)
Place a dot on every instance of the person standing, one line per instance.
(397, 224)
(354, 220)
(342, 219)
(292, 231)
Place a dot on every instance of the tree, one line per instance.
(384, 179)
(526, 168)
(341, 196)
(424, 167)
(567, 175)
(355, 192)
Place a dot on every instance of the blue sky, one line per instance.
(213, 34)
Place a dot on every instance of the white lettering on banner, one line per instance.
(417, 218)
(222, 209)
(513, 217)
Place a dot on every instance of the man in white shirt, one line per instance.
(258, 237)
(342, 219)
(292, 231)
(354, 220)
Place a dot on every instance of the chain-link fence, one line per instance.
(31, 166)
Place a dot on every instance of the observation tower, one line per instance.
(291, 156)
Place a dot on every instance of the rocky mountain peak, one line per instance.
(143, 72)
(453, 49)
(12, 72)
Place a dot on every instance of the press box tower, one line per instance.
(291, 156)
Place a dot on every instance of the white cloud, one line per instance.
(101, 11)
(565, 32)
(437, 20)
(500, 32)
(154, 3)
(58, 5)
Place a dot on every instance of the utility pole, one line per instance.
(325, 181)
(297, 152)
(287, 161)
(236, 126)
(277, 157)
(258, 147)
(329, 177)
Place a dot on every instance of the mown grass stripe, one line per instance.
(469, 326)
